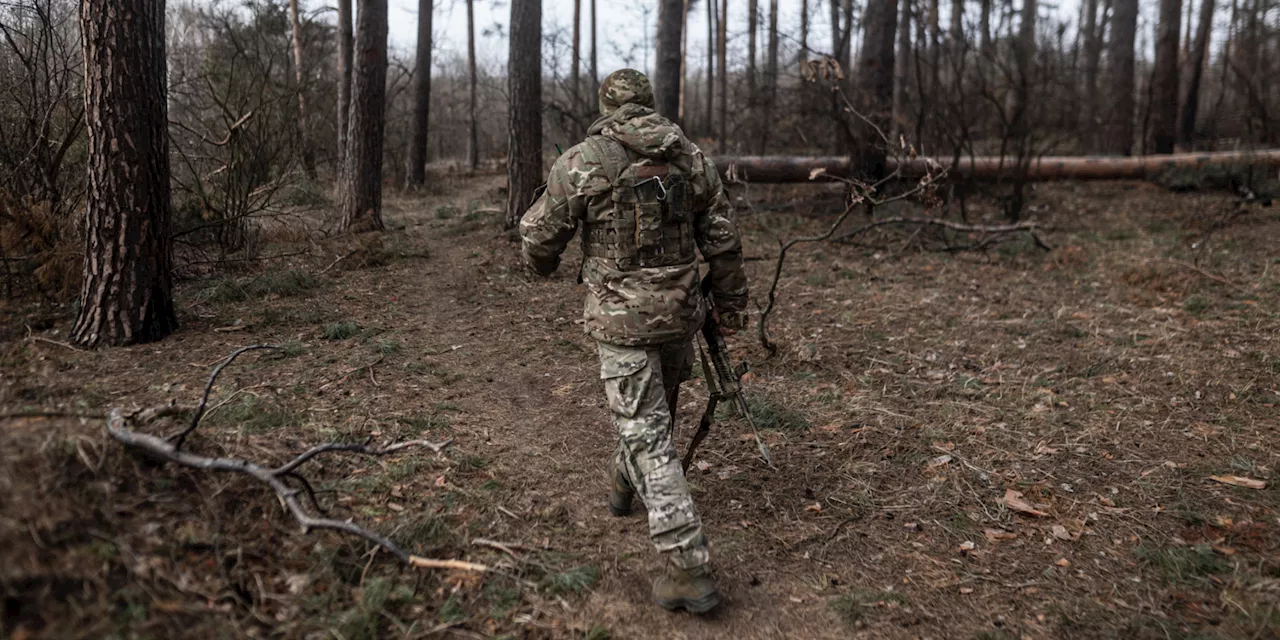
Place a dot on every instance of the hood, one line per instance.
(642, 130)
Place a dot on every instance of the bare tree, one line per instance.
(902, 70)
(667, 79)
(875, 76)
(985, 46)
(1124, 27)
(361, 181)
(1195, 72)
(524, 82)
(1092, 58)
(595, 70)
(473, 79)
(711, 65)
(345, 48)
(722, 70)
(417, 173)
(127, 292)
(299, 74)
(771, 77)
(1164, 78)
(575, 80)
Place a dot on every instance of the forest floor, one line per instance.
(1001, 444)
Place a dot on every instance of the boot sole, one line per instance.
(692, 605)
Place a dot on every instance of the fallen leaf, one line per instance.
(1240, 481)
(966, 590)
(967, 545)
(1060, 532)
(702, 465)
(939, 461)
(1013, 500)
(998, 534)
(815, 507)
(1063, 562)
(440, 481)
(395, 507)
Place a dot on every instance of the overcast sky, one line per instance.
(624, 26)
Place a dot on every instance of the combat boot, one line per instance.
(693, 590)
(622, 493)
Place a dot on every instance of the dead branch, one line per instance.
(276, 478)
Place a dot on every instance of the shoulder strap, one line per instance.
(613, 156)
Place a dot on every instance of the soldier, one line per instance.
(645, 197)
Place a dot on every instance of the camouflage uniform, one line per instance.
(643, 303)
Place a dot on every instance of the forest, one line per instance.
(272, 363)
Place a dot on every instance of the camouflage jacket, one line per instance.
(638, 306)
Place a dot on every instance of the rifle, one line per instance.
(724, 382)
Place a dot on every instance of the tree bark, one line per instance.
(417, 173)
(1123, 34)
(127, 293)
(524, 83)
(575, 79)
(300, 78)
(902, 71)
(986, 47)
(473, 79)
(957, 31)
(684, 59)
(1024, 55)
(344, 76)
(722, 70)
(804, 31)
(1164, 78)
(753, 25)
(362, 166)
(345, 48)
(771, 77)
(1092, 57)
(595, 70)
(875, 79)
(711, 65)
(1195, 69)
(666, 81)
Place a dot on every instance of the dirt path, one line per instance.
(1104, 383)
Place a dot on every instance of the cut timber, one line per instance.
(805, 168)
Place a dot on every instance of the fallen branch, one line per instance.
(276, 478)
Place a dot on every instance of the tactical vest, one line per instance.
(651, 221)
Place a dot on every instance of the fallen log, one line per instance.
(773, 169)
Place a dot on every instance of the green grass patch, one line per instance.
(1183, 564)
(340, 330)
(770, 413)
(272, 283)
(575, 580)
(253, 414)
(1195, 305)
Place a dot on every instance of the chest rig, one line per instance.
(650, 223)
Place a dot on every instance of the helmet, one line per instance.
(624, 86)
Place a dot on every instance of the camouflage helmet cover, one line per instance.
(624, 86)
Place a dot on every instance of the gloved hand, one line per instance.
(731, 322)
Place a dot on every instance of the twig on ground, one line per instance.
(340, 259)
(277, 478)
(178, 438)
(1214, 277)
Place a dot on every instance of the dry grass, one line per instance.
(1105, 381)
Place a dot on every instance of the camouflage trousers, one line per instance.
(642, 385)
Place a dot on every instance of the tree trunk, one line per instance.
(417, 173)
(835, 30)
(753, 25)
(771, 77)
(711, 65)
(524, 86)
(362, 167)
(1164, 78)
(875, 79)
(722, 69)
(473, 78)
(1124, 27)
(984, 29)
(957, 32)
(666, 82)
(804, 31)
(300, 78)
(1024, 55)
(595, 70)
(575, 80)
(902, 71)
(127, 292)
(684, 59)
(1092, 57)
(344, 76)
(1195, 68)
